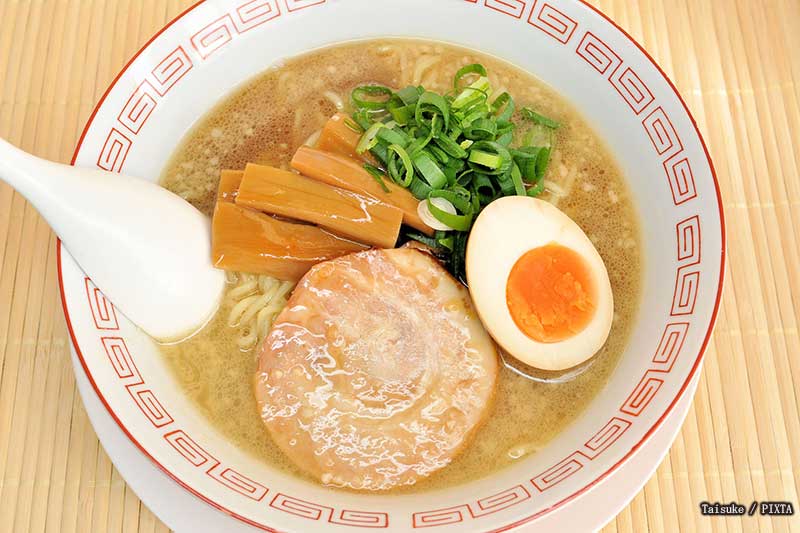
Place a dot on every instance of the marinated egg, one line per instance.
(538, 283)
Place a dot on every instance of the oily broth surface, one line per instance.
(271, 116)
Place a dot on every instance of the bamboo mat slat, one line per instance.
(736, 62)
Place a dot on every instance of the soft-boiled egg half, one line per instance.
(538, 283)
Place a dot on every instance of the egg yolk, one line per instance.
(550, 293)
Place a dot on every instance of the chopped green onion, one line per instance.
(475, 113)
(430, 170)
(360, 95)
(427, 241)
(408, 166)
(369, 139)
(446, 242)
(505, 139)
(439, 154)
(419, 188)
(506, 103)
(363, 119)
(526, 159)
(542, 162)
(353, 125)
(530, 114)
(536, 190)
(457, 151)
(475, 68)
(481, 129)
(459, 199)
(484, 187)
(434, 105)
(506, 185)
(451, 147)
(403, 114)
(381, 153)
(392, 136)
(516, 178)
(475, 91)
(457, 222)
(485, 159)
(539, 136)
(376, 173)
(410, 94)
(490, 147)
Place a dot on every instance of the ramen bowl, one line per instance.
(217, 45)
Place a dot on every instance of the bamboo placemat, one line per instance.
(737, 63)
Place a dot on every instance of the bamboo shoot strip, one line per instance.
(355, 216)
(229, 182)
(340, 138)
(346, 173)
(244, 240)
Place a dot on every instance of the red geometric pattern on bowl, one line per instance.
(681, 179)
(115, 151)
(206, 42)
(255, 13)
(643, 393)
(514, 8)
(103, 313)
(670, 346)
(121, 360)
(171, 70)
(553, 22)
(314, 511)
(598, 54)
(662, 133)
(197, 456)
(483, 507)
(139, 107)
(214, 36)
(632, 89)
(295, 5)
(177, 64)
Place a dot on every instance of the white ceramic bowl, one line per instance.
(215, 46)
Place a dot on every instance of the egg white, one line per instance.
(507, 229)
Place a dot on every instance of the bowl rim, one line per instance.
(657, 424)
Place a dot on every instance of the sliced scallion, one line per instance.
(376, 173)
(431, 105)
(530, 114)
(455, 152)
(408, 167)
(369, 139)
(516, 178)
(430, 170)
(427, 208)
(456, 222)
(371, 97)
(353, 125)
(475, 68)
(419, 188)
(393, 136)
(500, 165)
(477, 90)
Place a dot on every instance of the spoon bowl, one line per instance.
(155, 263)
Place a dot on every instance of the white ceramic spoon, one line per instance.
(146, 248)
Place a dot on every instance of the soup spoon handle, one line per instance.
(146, 248)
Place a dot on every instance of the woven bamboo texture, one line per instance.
(736, 62)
